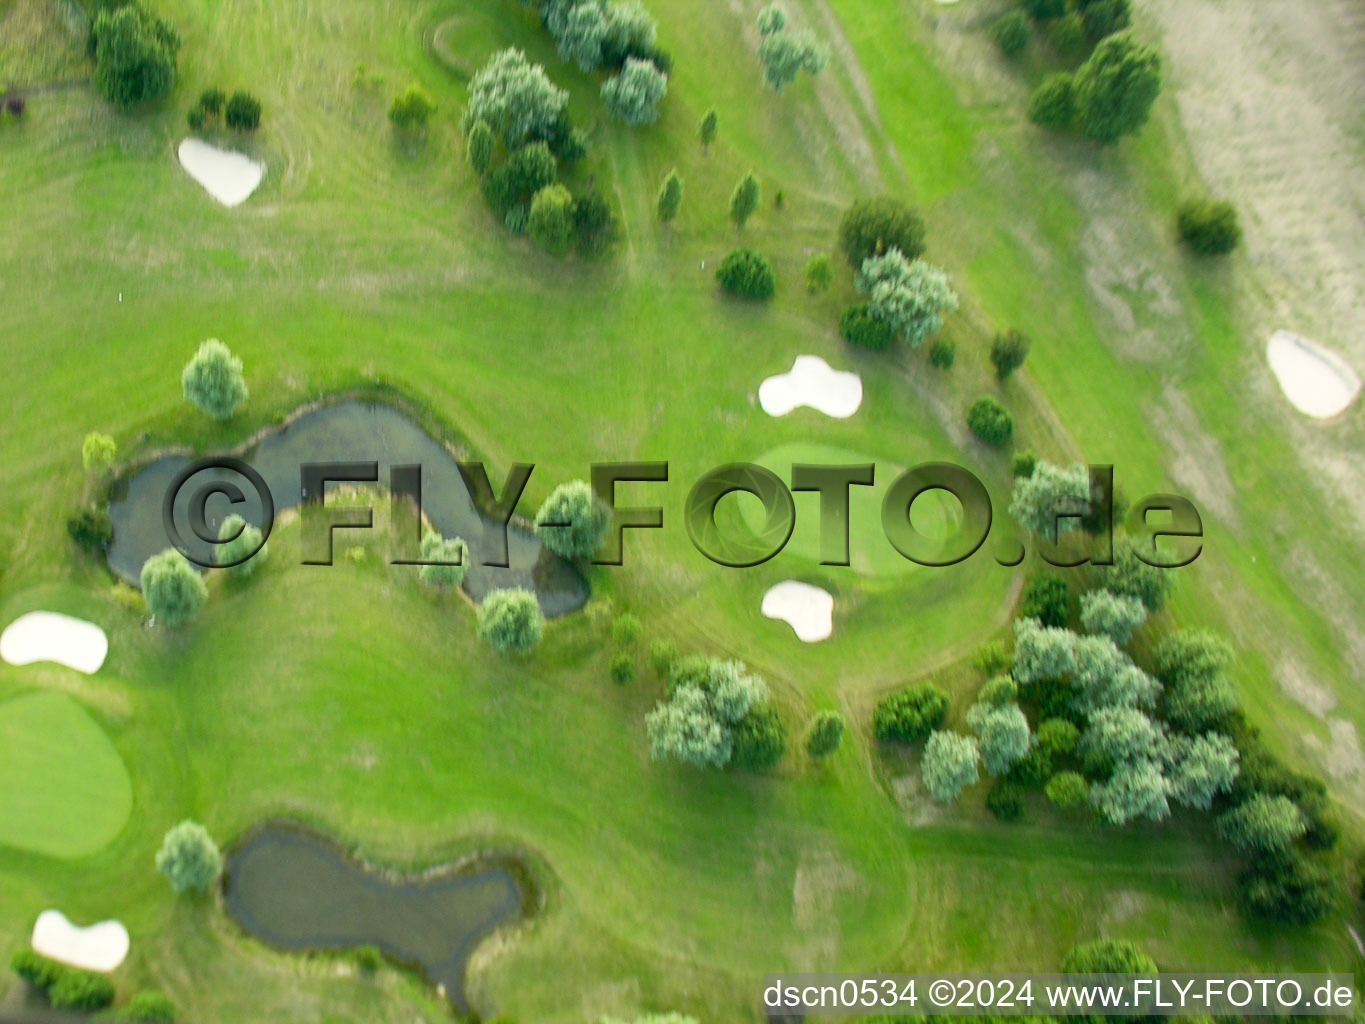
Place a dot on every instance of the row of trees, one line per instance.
(240, 112)
(1071, 25)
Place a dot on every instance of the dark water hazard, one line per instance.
(351, 431)
(296, 890)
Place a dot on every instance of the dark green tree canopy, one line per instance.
(872, 226)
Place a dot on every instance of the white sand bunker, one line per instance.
(811, 382)
(101, 947)
(1316, 381)
(227, 176)
(808, 610)
(48, 636)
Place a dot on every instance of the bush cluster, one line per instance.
(747, 273)
(910, 714)
(990, 421)
(1209, 226)
(67, 988)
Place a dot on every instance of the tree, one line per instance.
(1006, 800)
(1113, 615)
(211, 101)
(626, 629)
(243, 112)
(1047, 598)
(452, 553)
(824, 734)
(582, 35)
(747, 273)
(744, 199)
(1116, 87)
(911, 296)
(1200, 768)
(479, 145)
(784, 55)
(411, 109)
(594, 223)
(1105, 17)
(760, 738)
(511, 621)
(245, 539)
(909, 714)
(1118, 735)
(860, 326)
(998, 691)
(1106, 678)
(1003, 733)
(550, 220)
(1067, 789)
(871, 227)
(949, 765)
(633, 94)
(943, 353)
(573, 520)
(213, 380)
(1136, 789)
(670, 197)
(516, 99)
(771, 19)
(1022, 464)
(990, 421)
(1108, 956)
(172, 589)
(706, 129)
(630, 32)
(819, 273)
(98, 451)
(134, 54)
(1129, 574)
(1010, 32)
(91, 529)
(148, 1007)
(1008, 351)
(1042, 652)
(1209, 226)
(1051, 499)
(685, 729)
(1265, 825)
(1053, 104)
(189, 858)
(1199, 703)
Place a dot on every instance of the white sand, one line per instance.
(811, 382)
(808, 610)
(227, 176)
(1316, 381)
(48, 636)
(100, 947)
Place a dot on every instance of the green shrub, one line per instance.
(1031, 769)
(479, 145)
(211, 101)
(998, 691)
(549, 220)
(1105, 17)
(1010, 32)
(1209, 226)
(1040, 10)
(91, 529)
(943, 353)
(195, 119)
(594, 223)
(36, 969)
(1058, 736)
(81, 990)
(1023, 464)
(1067, 789)
(910, 714)
(1053, 104)
(1006, 801)
(454, 552)
(1008, 352)
(824, 734)
(747, 273)
(1290, 890)
(515, 221)
(1046, 597)
(147, 1007)
(760, 739)
(860, 327)
(243, 112)
(990, 421)
(368, 958)
(992, 658)
(819, 273)
(622, 668)
(870, 227)
(662, 655)
(626, 629)
(410, 110)
(1067, 34)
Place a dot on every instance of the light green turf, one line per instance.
(64, 790)
(360, 701)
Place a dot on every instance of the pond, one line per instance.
(349, 431)
(297, 890)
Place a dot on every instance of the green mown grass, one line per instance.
(356, 700)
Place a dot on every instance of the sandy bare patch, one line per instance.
(50, 636)
(813, 383)
(821, 875)
(807, 609)
(1303, 690)
(1317, 381)
(1195, 459)
(98, 947)
(228, 176)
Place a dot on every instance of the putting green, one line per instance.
(935, 513)
(64, 790)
